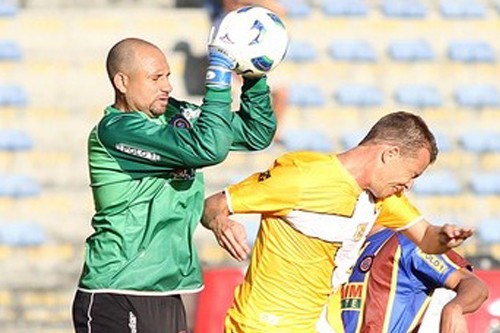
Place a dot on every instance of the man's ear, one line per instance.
(120, 81)
(390, 153)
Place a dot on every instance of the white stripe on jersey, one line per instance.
(350, 231)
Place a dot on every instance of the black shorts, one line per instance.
(117, 313)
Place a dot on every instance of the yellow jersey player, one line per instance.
(316, 212)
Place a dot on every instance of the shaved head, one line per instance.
(122, 56)
(139, 72)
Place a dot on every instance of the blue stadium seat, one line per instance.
(297, 8)
(351, 139)
(489, 230)
(420, 96)
(359, 95)
(414, 50)
(443, 141)
(477, 96)
(10, 50)
(404, 9)
(306, 95)
(485, 183)
(12, 95)
(21, 234)
(297, 140)
(17, 186)
(14, 140)
(480, 141)
(471, 51)
(301, 51)
(8, 9)
(352, 50)
(345, 8)
(460, 9)
(437, 183)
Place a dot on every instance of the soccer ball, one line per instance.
(256, 37)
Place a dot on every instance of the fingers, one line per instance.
(455, 235)
(234, 240)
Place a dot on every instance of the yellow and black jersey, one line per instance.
(314, 219)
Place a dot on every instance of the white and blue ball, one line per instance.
(256, 37)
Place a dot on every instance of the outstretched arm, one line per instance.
(437, 239)
(230, 235)
(471, 291)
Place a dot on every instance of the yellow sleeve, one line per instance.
(275, 191)
(398, 213)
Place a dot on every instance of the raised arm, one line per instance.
(230, 235)
(471, 291)
(437, 239)
(254, 124)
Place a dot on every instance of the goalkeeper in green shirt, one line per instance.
(144, 156)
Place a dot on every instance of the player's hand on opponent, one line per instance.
(231, 236)
(221, 61)
(452, 319)
(453, 236)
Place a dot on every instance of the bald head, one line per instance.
(122, 56)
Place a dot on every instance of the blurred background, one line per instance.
(349, 62)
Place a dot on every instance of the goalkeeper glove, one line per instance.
(220, 63)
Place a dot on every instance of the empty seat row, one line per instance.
(13, 95)
(405, 9)
(10, 50)
(421, 96)
(21, 234)
(15, 140)
(358, 50)
(8, 8)
(18, 186)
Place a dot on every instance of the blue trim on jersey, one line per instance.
(418, 275)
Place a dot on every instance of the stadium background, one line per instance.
(349, 62)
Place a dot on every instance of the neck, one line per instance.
(359, 162)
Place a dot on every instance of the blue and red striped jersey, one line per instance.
(391, 284)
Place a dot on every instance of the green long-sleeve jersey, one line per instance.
(148, 197)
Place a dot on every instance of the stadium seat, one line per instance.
(359, 95)
(21, 234)
(477, 96)
(489, 231)
(352, 50)
(301, 51)
(297, 8)
(12, 95)
(17, 186)
(471, 51)
(9, 50)
(297, 140)
(414, 50)
(345, 8)
(460, 9)
(8, 9)
(351, 139)
(437, 183)
(306, 95)
(480, 141)
(420, 96)
(14, 140)
(443, 141)
(404, 9)
(485, 183)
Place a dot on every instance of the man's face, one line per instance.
(148, 86)
(397, 172)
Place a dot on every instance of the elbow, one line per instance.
(264, 140)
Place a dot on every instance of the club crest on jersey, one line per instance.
(365, 264)
(264, 175)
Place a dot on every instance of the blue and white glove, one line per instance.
(220, 62)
